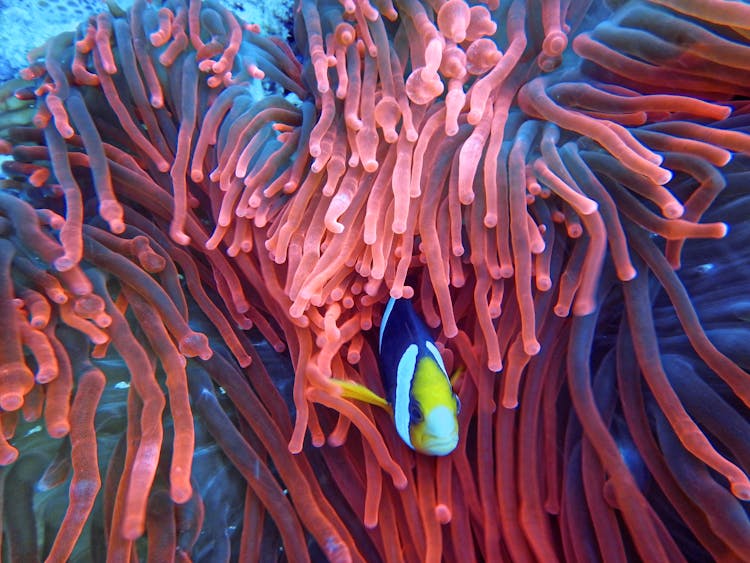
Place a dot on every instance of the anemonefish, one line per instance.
(418, 389)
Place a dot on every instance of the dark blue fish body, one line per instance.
(401, 328)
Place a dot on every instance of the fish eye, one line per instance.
(415, 413)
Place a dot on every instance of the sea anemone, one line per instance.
(532, 174)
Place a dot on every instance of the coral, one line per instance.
(530, 178)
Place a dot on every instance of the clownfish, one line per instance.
(418, 390)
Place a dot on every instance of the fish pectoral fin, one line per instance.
(354, 390)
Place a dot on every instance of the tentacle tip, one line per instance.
(11, 401)
(400, 481)
(335, 227)
(467, 198)
(45, 376)
(495, 365)
(555, 43)
(741, 490)
(58, 430)
(628, 273)
(673, 210)
(371, 522)
(390, 136)
(475, 116)
(181, 494)
(583, 307)
(179, 237)
(561, 310)
(132, 527)
(64, 263)
(544, 283)
(335, 441)
(510, 403)
(117, 226)
(450, 332)
(9, 456)
(663, 177)
(443, 514)
(532, 347)
(399, 227)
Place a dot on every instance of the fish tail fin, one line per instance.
(353, 390)
(457, 375)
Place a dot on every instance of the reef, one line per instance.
(200, 225)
